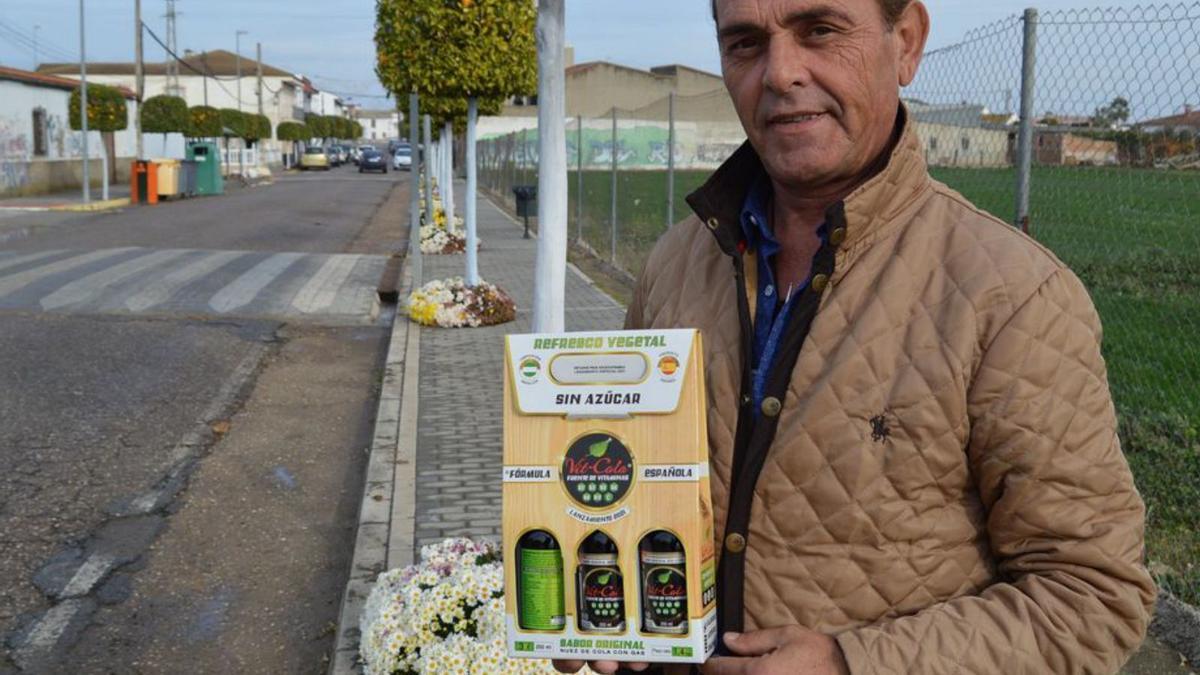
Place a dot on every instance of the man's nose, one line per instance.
(787, 64)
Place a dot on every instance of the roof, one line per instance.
(217, 62)
(1189, 118)
(674, 68)
(51, 81)
(378, 114)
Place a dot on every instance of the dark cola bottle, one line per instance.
(540, 602)
(600, 586)
(664, 584)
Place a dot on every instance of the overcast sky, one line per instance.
(332, 42)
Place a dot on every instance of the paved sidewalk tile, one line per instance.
(459, 430)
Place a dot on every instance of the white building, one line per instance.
(39, 153)
(211, 78)
(379, 125)
(325, 103)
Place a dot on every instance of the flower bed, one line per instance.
(437, 240)
(453, 304)
(444, 615)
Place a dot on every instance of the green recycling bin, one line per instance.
(208, 167)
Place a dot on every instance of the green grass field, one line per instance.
(1132, 235)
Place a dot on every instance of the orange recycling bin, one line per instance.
(143, 184)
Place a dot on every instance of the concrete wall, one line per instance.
(963, 146)
(22, 170)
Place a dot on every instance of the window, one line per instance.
(933, 144)
(966, 143)
(40, 145)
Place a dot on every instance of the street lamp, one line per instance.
(238, 59)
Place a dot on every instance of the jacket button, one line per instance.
(819, 282)
(771, 406)
(837, 236)
(735, 543)
(712, 223)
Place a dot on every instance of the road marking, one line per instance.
(91, 571)
(320, 291)
(46, 633)
(164, 288)
(21, 259)
(243, 289)
(14, 282)
(93, 284)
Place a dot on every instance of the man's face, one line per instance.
(816, 82)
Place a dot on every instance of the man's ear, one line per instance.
(910, 33)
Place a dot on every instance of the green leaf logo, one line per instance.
(599, 448)
(603, 579)
(664, 577)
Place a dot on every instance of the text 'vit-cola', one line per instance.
(664, 584)
(600, 586)
(540, 602)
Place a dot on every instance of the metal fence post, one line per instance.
(613, 255)
(670, 159)
(1025, 136)
(579, 178)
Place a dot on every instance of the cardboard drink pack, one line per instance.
(607, 519)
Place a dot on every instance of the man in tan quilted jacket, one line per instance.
(914, 450)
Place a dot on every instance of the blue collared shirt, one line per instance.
(771, 315)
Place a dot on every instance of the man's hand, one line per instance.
(611, 667)
(790, 650)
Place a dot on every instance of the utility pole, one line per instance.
(237, 40)
(83, 107)
(172, 87)
(139, 75)
(258, 72)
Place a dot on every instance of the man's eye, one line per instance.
(741, 45)
(822, 31)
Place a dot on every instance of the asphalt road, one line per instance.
(180, 385)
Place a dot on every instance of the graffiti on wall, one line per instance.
(14, 155)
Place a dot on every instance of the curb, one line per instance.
(386, 516)
(91, 206)
(1177, 624)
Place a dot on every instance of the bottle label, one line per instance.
(602, 601)
(666, 603)
(540, 605)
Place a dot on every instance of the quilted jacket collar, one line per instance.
(868, 209)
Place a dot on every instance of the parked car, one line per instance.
(402, 158)
(314, 157)
(335, 157)
(356, 153)
(343, 153)
(372, 161)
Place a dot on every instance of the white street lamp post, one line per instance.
(550, 276)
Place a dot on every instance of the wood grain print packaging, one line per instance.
(607, 520)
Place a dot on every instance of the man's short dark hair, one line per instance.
(892, 9)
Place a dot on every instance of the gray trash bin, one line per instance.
(187, 178)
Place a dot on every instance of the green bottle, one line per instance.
(540, 602)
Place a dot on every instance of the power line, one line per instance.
(20, 39)
(205, 73)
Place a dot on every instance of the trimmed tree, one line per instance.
(319, 126)
(106, 113)
(471, 50)
(295, 132)
(164, 115)
(204, 122)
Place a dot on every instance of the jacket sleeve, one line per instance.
(1064, 519)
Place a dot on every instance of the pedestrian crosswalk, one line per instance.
(306, 286)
